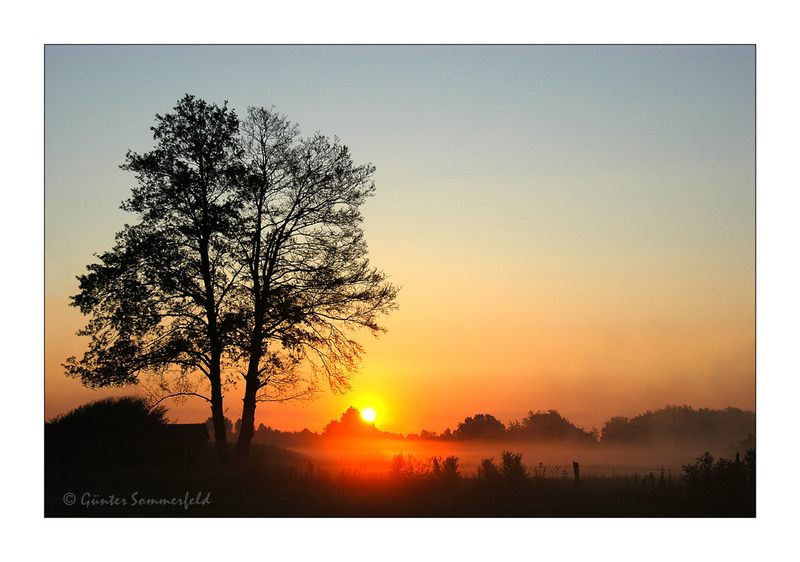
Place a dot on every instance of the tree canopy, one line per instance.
(309, 282)
(247, 258)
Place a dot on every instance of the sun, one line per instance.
(368, 415)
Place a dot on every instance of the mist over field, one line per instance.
(657, 463)
(666, 439)
(548, 460)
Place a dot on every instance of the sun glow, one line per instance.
(368, 415)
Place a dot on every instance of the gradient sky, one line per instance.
(572, 227)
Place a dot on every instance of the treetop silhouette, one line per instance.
(247, 260)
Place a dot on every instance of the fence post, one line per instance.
(576, 469)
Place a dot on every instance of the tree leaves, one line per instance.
(248, 248)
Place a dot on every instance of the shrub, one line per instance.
(488, 471)
(405, 467)
(446, 469)
(112, 415)
(113, 428)
(722, 486)
(512, 468)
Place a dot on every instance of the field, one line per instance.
(186, 481)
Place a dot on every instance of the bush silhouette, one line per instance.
(406, 467)
(725, 485)
(512, 468)
(113, 428)
(446, 470)
(111, 417)
(488, 472)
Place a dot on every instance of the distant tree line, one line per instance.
(536, 426)
(126, 443)
(672, 424)
(113, 419)
(680, 423)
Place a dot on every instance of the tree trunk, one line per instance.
(215, 368)
(247, 429)
(218, 416)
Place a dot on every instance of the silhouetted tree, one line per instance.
(549, 426)
(479, 426)
(350, 424)
(487, 471)
(680, 424)
(446, 470)
(616, 429)
(307, 279)
(157, 299)
(512, 468)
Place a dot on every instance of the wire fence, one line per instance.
(587, 470)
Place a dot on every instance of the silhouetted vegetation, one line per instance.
(488, 472)
(112, 416)
(724, 486)
(680, 423)
(447, 470)
(276, 483)
(159, 301)
(113, 430)
(307, 281)
(549, 426)
(512, 468)
(122, 446)
(247, 248)
(672, 424)
(350, 425)
(267, 435)
(479, 426)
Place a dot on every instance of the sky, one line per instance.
(571, 227)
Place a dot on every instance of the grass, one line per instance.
(280, 483)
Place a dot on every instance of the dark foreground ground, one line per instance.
(186, 481)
